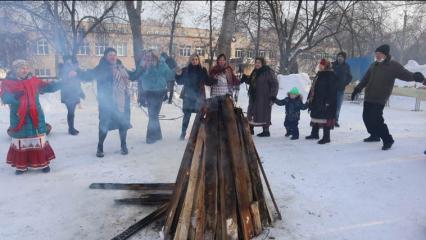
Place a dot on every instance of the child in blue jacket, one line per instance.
(293, 104)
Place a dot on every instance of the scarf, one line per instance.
(120, 85)
(229, 72)
(29, 88)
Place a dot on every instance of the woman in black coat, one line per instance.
(322, 102)
(71, 91)
(113, 95)
(193, 79)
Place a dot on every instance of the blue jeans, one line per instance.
(340, 96)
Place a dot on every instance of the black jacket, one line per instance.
(343, 73)
(292, 107)
(193, 81)
(323, 96)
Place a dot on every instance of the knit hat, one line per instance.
(18, 64)
(385, 49)
(294, 91)
(343, 54)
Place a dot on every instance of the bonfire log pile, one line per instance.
(218, 193)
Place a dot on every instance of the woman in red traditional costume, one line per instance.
(29, 147)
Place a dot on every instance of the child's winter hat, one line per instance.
(294, 91)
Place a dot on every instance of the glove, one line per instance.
(355, 92)
(418, 77)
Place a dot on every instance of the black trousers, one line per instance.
(185, 120)
(292, 127)
(71, 114)
(374, 121)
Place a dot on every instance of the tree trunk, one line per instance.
(176, 8)
(258, 29)
(211, 35)
(134, 15)
(228, 28)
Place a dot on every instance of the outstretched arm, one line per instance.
(281, 102)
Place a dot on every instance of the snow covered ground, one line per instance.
(344, 190)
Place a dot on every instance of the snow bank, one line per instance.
(287, 82)
(411, 66)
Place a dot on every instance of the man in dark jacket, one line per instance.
(378, 83)
(344, 77)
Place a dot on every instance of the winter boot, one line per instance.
(287, 133)
(124, 150)
(314, 133)
(71, 129)
(265, 132)
(372, 139)
(46, 169)
(326, 138)
(123, 137)
(20, 172)
(388, 144)
(100, 152)
(294, 137)
(182, 136)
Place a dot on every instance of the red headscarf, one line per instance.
(29, 88)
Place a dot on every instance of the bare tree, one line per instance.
(310, 25)
(134, 15)
(65, 24)
(176, 8)
(228, 27)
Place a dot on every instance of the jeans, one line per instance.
(71, 114)
(154, 103)
(340, 97)
(374, 122)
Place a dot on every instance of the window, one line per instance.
(100, 48)
(41, 47)
(185, 51)
(121, 49)
(200, 51)
(262, 53)
(43, 72)
(272, 54)
(84, 49)
(238, 53)
(250, 54)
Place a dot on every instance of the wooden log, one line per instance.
(258, 191)
(211, 181)
(199, 212)
(157, 214)
(254, 209)
(148, 199)
(182, 229)
(227, 192)
(239, 168)
(253, 147)
(181, 180)
(134, 186)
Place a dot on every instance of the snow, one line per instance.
(412, 66)
(344, 190)
(287, 82)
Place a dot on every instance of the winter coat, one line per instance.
(263, 89)
(343, 73)
(155, 78)
(380, 79)
(71, 91)
(193, 93)
(292, 108)
(110, 118)
(322, 96)
(14, 100)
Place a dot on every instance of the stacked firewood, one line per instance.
(218, 193)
